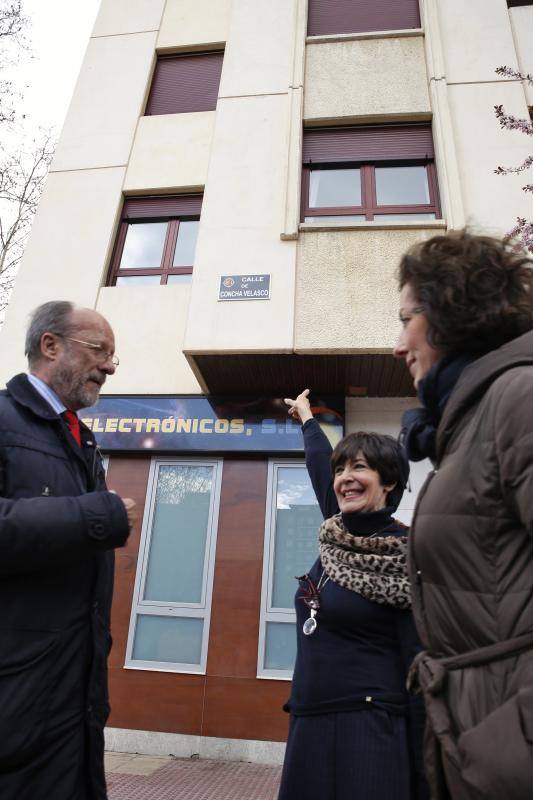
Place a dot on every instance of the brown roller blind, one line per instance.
(145, 207)
(356, 16)
(185, 83)
(367, 143)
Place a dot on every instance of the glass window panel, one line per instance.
(280, 645)
(169, 639)
(186, 244)
(298, 518)
(402, 186)
(179, 534)
(140, 280)
(334, 187)
(404, 217)
(346, 218)
(144, 245)
(179, 279)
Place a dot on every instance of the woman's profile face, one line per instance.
(358, 487)
(413, 345)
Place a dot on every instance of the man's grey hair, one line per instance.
(52, 317)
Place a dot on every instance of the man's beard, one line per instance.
(74, 388)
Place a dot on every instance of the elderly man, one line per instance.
(58, 528)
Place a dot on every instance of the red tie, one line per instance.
(73, 424)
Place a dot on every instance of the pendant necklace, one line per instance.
(313, 602)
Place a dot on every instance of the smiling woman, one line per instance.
(353, 726)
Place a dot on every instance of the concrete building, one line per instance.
(233, 187)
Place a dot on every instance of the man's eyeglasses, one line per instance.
(100, 354)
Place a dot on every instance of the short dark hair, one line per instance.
(382, 453)
(476, 291)
(51, 317)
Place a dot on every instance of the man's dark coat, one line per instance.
(58, 528)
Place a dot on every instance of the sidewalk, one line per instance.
(137, 777)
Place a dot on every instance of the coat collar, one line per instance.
(476, 379)
(26, 395)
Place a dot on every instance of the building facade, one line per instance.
(233, 187)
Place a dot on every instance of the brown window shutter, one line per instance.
(152, 207)
(185, 83)
(368, 143)
(357, 16)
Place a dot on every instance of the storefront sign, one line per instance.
(213, 424)
(244, 287)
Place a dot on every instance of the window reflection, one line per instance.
(297, 521)
(186, 244)
(332, 188)
(401, 186)
(144, 245)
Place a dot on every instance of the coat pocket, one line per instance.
(26, 681)
(497, 754)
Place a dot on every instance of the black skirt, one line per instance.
(352, 755)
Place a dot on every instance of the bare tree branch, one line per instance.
(13, 41)
(22, 178)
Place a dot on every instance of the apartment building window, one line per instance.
(185, 83)
(169, 627)
(329, 17)
(156, 240)
(373, 172)
(291, 547)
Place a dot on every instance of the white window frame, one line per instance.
(201, 610)
(270, 613)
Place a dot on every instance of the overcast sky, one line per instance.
(59, 33)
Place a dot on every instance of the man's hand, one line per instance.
(129, 505)
(300, 408)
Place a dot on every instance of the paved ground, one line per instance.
(135, 777)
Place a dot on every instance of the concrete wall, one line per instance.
(366, 79)
(170, 151)
(477, 38)
(193, 23)
(522, 27)
(239, 232)
(346, 292)
(149, 324)
(491, 202)
(472, 40)
(128, 16)
(242, 213)
(108, 99)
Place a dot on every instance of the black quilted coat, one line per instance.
(472, 573)
(58, 528)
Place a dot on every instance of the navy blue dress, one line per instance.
(355, 733)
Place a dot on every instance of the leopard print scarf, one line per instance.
(373, 566)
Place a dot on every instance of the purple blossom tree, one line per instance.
(523, 230)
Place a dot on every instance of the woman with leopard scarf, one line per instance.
(355, 733)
